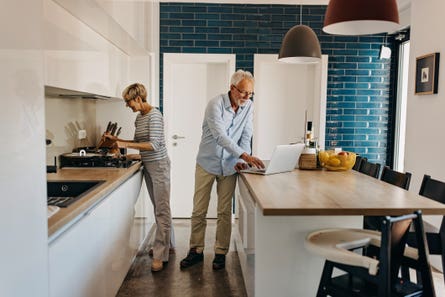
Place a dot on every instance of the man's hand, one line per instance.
(241, 166)
(252, 160)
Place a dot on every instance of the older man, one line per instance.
(224, 149)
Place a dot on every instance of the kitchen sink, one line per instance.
(64, 193)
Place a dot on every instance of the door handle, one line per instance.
(177, 137)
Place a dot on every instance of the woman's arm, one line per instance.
(123, 143)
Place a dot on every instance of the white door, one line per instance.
(190, 81)
(283, 94)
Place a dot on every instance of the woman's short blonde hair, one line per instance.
(133, 91)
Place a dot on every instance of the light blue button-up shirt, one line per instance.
(225, 135)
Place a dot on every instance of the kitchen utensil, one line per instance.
(108, 127)
(118, 131)
(113, 129)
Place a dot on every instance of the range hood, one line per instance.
(71, 94)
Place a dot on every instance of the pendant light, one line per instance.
(361, 17)
(300, 45)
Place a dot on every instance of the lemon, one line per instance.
(334, 161)
(323, 157)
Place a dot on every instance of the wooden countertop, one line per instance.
(113, 178)
(322, 192)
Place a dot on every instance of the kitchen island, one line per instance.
(93, 241)
(276, 212)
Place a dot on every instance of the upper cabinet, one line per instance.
(96, 47)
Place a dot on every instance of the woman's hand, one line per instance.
(110, 137)
(135, 157)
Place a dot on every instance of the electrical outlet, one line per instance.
(82, 134)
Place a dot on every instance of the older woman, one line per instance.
(150, 141)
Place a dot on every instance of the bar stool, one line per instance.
(369, 276)
(369, 168)
(435, 237)
(399, 179)
(358, 162)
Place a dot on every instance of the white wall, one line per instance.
(425, 143)
(23, 220)
(64, 118)
(425, 114)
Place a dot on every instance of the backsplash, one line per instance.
(359, 83)
(64, 119)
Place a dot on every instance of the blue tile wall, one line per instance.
(359, 83)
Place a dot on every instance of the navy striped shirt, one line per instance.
(150, 128)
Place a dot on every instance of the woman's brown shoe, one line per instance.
(156, 265)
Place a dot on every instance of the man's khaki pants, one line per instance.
(225, 187)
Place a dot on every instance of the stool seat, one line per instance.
(368, 262)
(337, 244)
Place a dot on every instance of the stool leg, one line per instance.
(405, 273)
(325, 279)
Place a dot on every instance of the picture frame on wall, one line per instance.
(427, 74)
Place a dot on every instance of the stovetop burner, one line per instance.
(94, 159)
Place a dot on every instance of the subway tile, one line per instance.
(358, 73)
(182, 16)
(194, 36)
(173, 43)
(220, 23)
(219, 50)
(207, 16)
(358, 81)
(220, 9)
(207, 43)
(356, 111)
(207, 30)
(194, 23)
(193, 50)
(181, 29)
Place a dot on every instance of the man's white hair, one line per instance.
(239, 75)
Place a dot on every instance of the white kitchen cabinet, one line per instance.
(92, 257)
(87, 51)
(244, 235)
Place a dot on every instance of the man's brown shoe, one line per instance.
(156, 265)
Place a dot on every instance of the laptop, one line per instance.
(284, 159)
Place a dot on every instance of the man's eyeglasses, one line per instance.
(244, 93)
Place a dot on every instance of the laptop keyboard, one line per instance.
(256, 169)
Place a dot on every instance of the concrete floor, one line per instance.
(199, 280)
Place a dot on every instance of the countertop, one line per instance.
(323, 192)
(113, 178)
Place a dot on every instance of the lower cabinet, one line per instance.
(244, 235)
(92, 257)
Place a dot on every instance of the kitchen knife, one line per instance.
(113, 129)
(118, 131)
(108, 127)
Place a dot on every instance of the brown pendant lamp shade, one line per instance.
(300, 45)
(361, 17)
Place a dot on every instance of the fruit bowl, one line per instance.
(341, 161)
